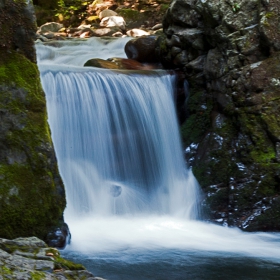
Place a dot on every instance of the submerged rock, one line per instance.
(115, 190)
(101, 63)
(120, 63)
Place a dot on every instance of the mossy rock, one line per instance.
(31, 191)
(32, 196)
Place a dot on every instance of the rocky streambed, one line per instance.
(31, 258)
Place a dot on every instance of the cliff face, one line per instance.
(230, 54)
(32, 197)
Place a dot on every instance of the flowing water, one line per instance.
(132, 203)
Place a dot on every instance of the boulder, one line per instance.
(142, 49)
(106, 13)
(113, 21)
(49, 27)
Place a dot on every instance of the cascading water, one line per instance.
(118, 148)
(118, 143)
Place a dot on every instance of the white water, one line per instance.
(119, 154)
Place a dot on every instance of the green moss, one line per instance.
(262, 151)
(29, 201)
(53, 251)
(61, 263)
(270, 15)
(272, 122)
(15, 69)
(30, 209)
(164, 7)
(4, 270)
(36, 275)
(10, 247)
(28, 102)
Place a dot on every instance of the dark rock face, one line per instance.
(230, 54)
(32, 197)
(17, 28)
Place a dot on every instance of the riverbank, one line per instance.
(31, 258)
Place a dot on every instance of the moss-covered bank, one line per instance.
(32, 197)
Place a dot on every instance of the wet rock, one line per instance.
(59, 237)
(115, 191)
(101, 63)
(269, 27)
(120, 63)
(142, 49)
(230, 56)
(131, 64)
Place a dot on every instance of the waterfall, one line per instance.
(119, 154)
(117, 140)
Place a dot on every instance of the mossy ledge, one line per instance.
(38, 261)
(32, 196)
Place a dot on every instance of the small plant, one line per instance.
(236, 7)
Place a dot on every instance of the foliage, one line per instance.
(71, 10)
(236, 7)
